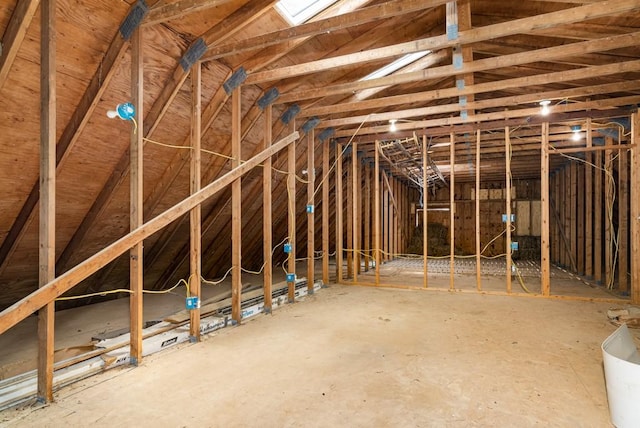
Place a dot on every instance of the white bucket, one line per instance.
(622, 374)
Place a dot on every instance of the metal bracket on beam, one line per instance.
(133, 19)
(326, 134)
(310, 124)
(290, 114)
(193, 54)
(236, 79)
(268, 98)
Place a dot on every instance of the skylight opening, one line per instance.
(396, 65)
(300, 11)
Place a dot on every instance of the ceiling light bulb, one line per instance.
(576, 132)
(545, 107)
(392, 125)
(112, 114)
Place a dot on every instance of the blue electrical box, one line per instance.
(514, 246)
(287, 248)
(504, 218)
(291, 277)
(310, 209)
(193, 302)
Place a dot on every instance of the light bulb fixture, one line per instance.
(392, 125)
(545, 110)
(125, 111)
(575, 129)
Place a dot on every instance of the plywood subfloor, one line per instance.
(364, 356)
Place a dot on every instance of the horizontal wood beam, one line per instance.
(553, 150)
(547, 20)
(333, 23)
(519, 82)
(167, 12)
(490, 103)
(526, 121)
(49, 292)
(14, 35)
(506, 114)
(545, 54)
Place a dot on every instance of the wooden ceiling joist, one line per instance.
(581, 91)
(507, 114)
(547, 20)
(466, 128)
(333, 23)
(607, 43)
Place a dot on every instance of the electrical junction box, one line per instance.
(291, 277)
(310, 209)
(287, 248)
(193, 303)
(514, 246)
(504, 218)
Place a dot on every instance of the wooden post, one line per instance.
(623, 221)
(545, 267)
(339, 213)
(597, 220)
(357, 227)
(588, 218)
(385, 220)
(376, 210)
(267, 213)
(349, 219)
(236, 208)
(507, 151)
(557, 247)
(367, 217)
(478, 236)
(311, 224)
(325, 212)
(291, 192)
(355, 204)
(47, 228)
(635, 209)
(608, 222)
(136, 195)
(567, 216)
(452, 210)
(425, 193)
(395, 228)
(195, 214)
(573, 213)
(580, 232)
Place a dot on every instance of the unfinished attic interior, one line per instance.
(169, 168)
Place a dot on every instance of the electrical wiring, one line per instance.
(124, 290)
(613, 243)
(135, 125)
(338, 158)
(172, 146)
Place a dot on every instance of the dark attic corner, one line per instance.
(436, 203)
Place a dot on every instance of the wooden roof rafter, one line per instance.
(14, 35)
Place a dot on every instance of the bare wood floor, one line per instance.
(362, 356)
